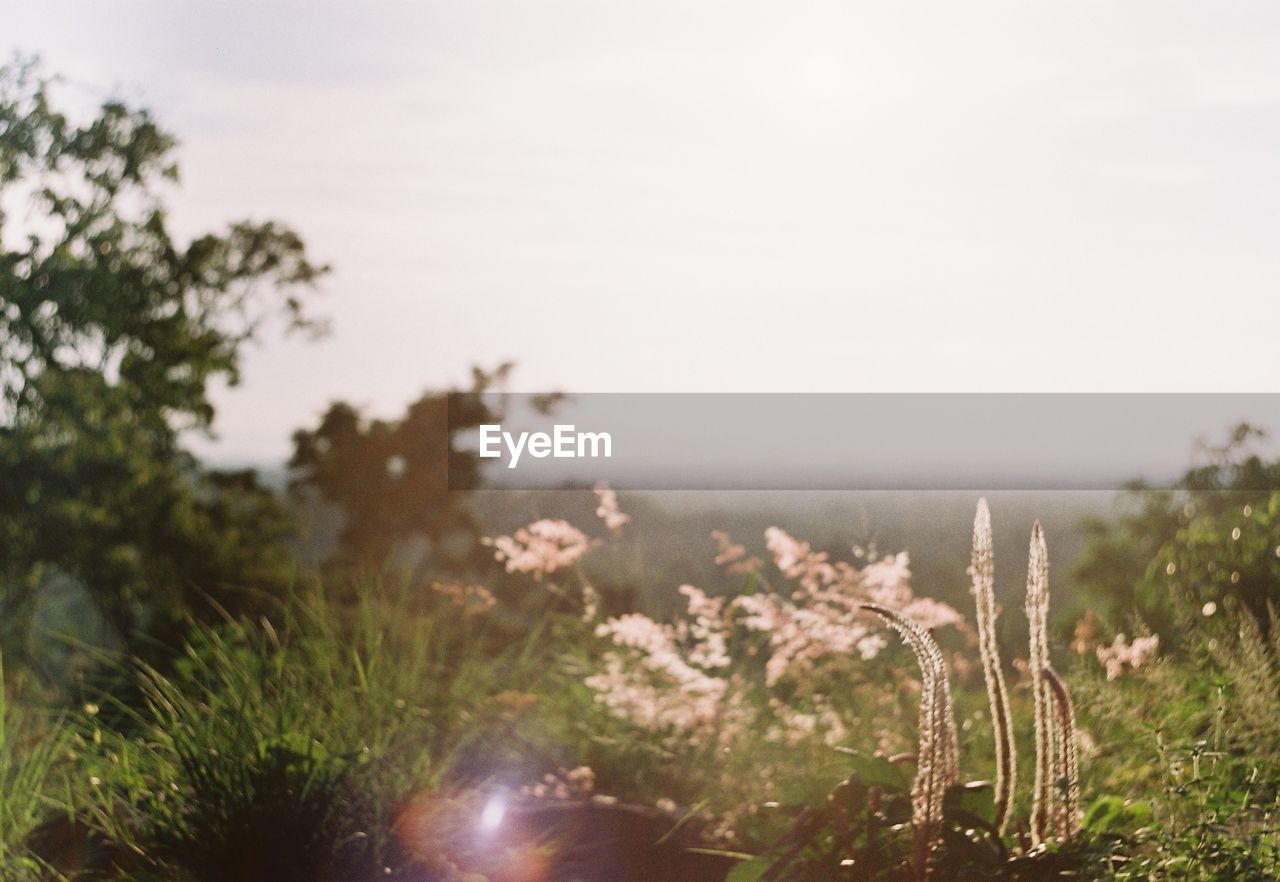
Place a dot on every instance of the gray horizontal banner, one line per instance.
(697, 441)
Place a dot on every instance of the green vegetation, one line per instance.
(453, 697)
(1124, 564)
(33, 754)
(111, 333)
(366, 733)
(282, 752)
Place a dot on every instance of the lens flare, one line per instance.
(494, 811)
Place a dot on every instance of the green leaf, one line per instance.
(1110, 814)
(975, 797)
(850, 795)
(876, 771)
(749, 871)
(1102, 814)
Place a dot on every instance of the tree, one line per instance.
(111, 332)
(401, 485)
(1187, 539)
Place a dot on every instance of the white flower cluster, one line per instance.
(681, 679)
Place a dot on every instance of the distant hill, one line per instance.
(669, 541)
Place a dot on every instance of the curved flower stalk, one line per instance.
(983, 588)
(1043, 797)
(938, 763)
(1066, 761)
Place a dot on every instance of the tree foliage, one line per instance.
(1191, 528)
(111, 332)
(401, 484)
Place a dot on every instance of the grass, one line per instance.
(33, 754)
(282, 752)
(1192, 738)
(368, 732)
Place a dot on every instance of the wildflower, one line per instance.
(733, 556)
(581, 778)
(931, 614)
(674, 697)
(798, 561)
(938, 765)
(1056, 798)
(473, 599)
(590, 603)
(700, 605)
(888, 579)
(1121, 654)
(1085, 630)
(1037, 619)
(542, 547)
(983, 572)
(563, 784)
(608, 510)
(1066, 766)
(679, 678)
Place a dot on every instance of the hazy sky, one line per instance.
(648, 196)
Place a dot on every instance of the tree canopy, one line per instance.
(1211, 537)
(401, 484)
(111, 333)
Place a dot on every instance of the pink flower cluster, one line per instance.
(668, 695)
(473, 599)
(1121, 655)
(542, 548)
(607, 509)
(733, 556)
(681, 677)
(564, 784)
(675, 688)
(823, 617)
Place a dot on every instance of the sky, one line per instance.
(721, 196)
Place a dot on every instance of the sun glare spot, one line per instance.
(494, 811)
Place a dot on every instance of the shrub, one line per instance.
(282, 752)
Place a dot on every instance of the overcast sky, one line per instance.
(643, 196)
